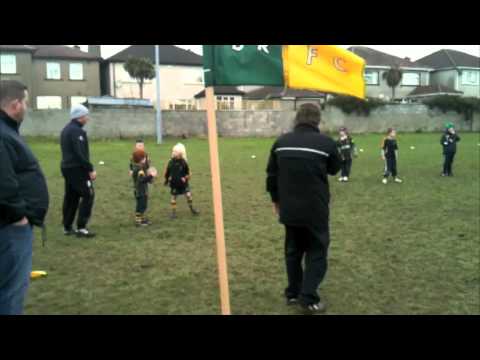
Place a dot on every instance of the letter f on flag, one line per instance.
(312, 52)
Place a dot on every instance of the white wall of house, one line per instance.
(452, 79)
(469, 82)
(178, 84)
(445, 78)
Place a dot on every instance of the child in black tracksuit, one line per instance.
(449, 142)
(390, 155)
(142, 175)
(346, 148)
(177, 175)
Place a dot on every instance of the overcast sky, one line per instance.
(414, 52)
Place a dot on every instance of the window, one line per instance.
(76, 71)
(410, 79)
(53, 71)
(8, 64)
(186, 105)
(371, 77)
(49, 102)
(470, 77)
(75, 100)
(225, 102)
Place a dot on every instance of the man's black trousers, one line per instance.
(311, 244)
(79, 195)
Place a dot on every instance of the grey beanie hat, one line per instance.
(78, 111)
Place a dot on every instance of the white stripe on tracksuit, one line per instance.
(302, 149)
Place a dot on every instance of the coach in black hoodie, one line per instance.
(297, 180)
(23, 199)
(78, 172)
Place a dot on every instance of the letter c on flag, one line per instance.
(237, 47)
(338, 63)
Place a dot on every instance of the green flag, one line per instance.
(243, 65)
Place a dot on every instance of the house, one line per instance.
(57, 76)
(377, 63)
(226, 98)
(259, 98)
(280, 98)
(181, 76)
(455, 70)
(421, 92)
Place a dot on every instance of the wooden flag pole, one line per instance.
(217, 202)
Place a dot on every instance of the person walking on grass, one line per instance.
(297, 180)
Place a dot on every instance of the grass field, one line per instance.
(411, 248)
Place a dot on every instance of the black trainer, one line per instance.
(194, 212)
(292, 301)
(173, 215)
(144, 222)
(313, 309)
(69, 232)
(85, 233)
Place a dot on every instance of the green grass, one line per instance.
(397, 249)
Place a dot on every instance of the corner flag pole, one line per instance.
(159, 110)
(217, 202)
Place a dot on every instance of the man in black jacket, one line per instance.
(297, 180)
(78, 172)
(23, 199)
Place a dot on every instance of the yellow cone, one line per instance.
(37, 274)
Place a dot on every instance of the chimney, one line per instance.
(94, 50)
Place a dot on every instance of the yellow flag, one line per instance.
(326, 68)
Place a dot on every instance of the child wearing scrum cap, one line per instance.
(449, 143)
(139, 145)
(346, 148)
(142, 175)
(177, 175)
(389, 154)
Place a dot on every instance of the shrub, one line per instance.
(461, 105)
(349, 104)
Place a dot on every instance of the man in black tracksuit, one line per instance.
(297, 180)
(78, 173)
(449, 143)
(23, 199)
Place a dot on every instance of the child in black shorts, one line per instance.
(177, 175)
(390, 155)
